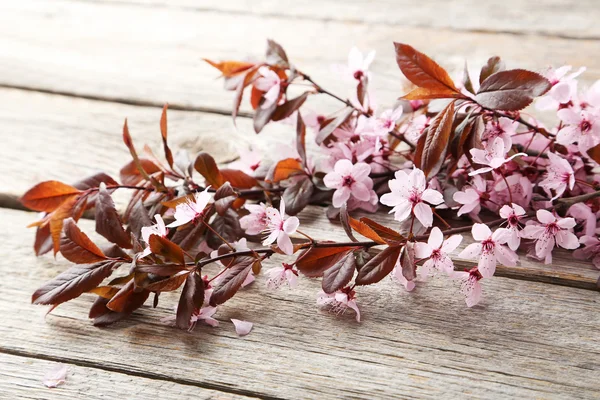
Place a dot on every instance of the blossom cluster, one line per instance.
(471, 181)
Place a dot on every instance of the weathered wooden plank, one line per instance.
(525, 340)
(21, 378)
(562, 18)
(153, 55)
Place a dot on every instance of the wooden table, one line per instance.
(71, 71)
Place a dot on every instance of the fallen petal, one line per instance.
(242, 328)
(55, 376)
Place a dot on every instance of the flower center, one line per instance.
(414, 196)
(552, 228)
(513, 220)
(358, 75)
(436, 254)
(320, 119)
(585, 126)
(348, 181)
(488, 245)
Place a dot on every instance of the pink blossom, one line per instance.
(358, 66)
(158, 229)
(242, 328)
(490, 250)
(255, 222)
(268, 82)
(370, 205)
(550, 231)
(584, 213)
(494, 156)
(512, 214)
(339, 301)
(191, 210)
(559, 177)
(279, 228)
(591, 97)
(387, 121)
(591, 251)
(415, 128)
(249, 161)
(582, 127)
(285, 274)
(470, 197)
(56, 376)
(563, 87)
(504, 128)
(437, 250)
(349, 181)
(521, 190)
(469, 285)
(399, 278)
(409, 194)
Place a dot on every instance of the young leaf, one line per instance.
(163, 131)
(286, 169)
(48, 196)
(207, 167)
(493, 65)
(339, 274)
(232, 280)
(169, 284)
(230, 68)
(286, 109)
(345, 221)
(192, 297)
(431, 151)
(422, 70)
(73, 282)
(276, 55)
(327, 130)
(365, 230)
(130, 174)
(379, 266)
(164, 247)
(108, 222)
(314, 261)
(298, 195)
(76, 247)
(511, 90)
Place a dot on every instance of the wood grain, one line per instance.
(151, 55)
(21, 378)
(70, 138)
(562, 18)
(525, 340)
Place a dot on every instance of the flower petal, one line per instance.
(424, 214)
(242, 328)
(290, 225)
(480, 232)
(55, 376)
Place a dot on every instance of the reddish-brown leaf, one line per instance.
(224, 198)
(431, 153)
(167, 249)
(169, 284)
(65, 210)
(127, 299)
(511, 90)
(366, 230)
(339, 274)
(206, 165)
(43, 240)
(276, 55)
(131, 301)
(301, 139)
(387, 234)
(192, 297)
(163, 131)
(130, 175)
(286, 109)
(161, 269)
(232, 280)
(314, 261)
(263, 115)
(379, 266)
(73, 282)
(493, 65)
(407, 261)
(422, 70)
(345, 221)
(230, 68)
(429, 94)
(287, 168)
(108, 222)
(106, 292)
(238, 179)
(76, 247)
(48, 196)
(594, 153)
(327, 130)
(248, 77)
(298, 195)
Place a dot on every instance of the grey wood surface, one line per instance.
(528, 338)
